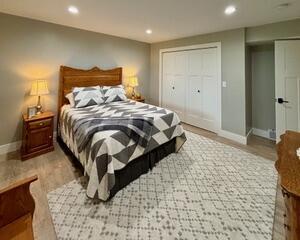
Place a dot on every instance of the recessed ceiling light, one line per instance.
(148, 31)
(230, 10)
(73, 10)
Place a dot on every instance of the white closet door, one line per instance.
(194, 88)
(174, 73)
(201, 94)
(190, 86)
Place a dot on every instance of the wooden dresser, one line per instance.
(37, 135)
(16, 210)
(288, 167)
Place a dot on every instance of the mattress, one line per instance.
(111, 150)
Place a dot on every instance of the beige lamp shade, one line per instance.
(39, 87)
(133, 81)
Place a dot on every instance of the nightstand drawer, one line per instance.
(40, 124)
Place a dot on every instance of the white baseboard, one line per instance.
(249, 134)
(233, 136)
(10, 147)
(14, 146)
(261, 133)
(54, 136)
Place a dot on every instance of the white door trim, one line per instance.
(219, 77)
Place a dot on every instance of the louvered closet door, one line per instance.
(201, 93)
(174, 75)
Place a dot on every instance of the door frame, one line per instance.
(219, 74)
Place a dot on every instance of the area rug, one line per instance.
(206, 191)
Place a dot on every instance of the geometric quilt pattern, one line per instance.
(113, 93)
(87, 96)
(207, 190)
(111, 150)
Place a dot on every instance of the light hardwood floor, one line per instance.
(57, 168)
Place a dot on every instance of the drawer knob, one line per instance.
(287, 227)
(41, 124)
(50, 137)
(285, 194)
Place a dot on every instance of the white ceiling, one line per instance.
(169, 19)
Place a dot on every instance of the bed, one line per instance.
(112, 158)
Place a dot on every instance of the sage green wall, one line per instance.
(263, 82)
(233, 72)
(263, 87)
(273, 31)
(248, 90)
(31, 49)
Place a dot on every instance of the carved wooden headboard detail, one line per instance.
(72, 77)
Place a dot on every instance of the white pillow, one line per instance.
(87, 96)
(70, 97)
(113, 93)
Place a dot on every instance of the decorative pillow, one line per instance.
(87, 96)
(70, 97)
(114, 93)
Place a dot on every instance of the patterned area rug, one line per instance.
(206, 191)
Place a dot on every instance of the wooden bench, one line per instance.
(16, 211)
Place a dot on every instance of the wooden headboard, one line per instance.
(72, 77)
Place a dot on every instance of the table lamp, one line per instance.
(38, 88)
(133, 82)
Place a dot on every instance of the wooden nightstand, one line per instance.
(141, 99)
(37, 135)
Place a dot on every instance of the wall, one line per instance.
(263, 87)
(233, 72)
(248, 75)
(31, 49)
(273, 31)
(263, 83)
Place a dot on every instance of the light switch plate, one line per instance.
(224, 84)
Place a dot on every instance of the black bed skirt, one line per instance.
(141, 165)
(136, 167)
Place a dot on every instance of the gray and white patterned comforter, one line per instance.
(111, 150)
(138, 128)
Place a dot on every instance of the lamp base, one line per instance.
(133, 93)
(39, 106)
(39, 109)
